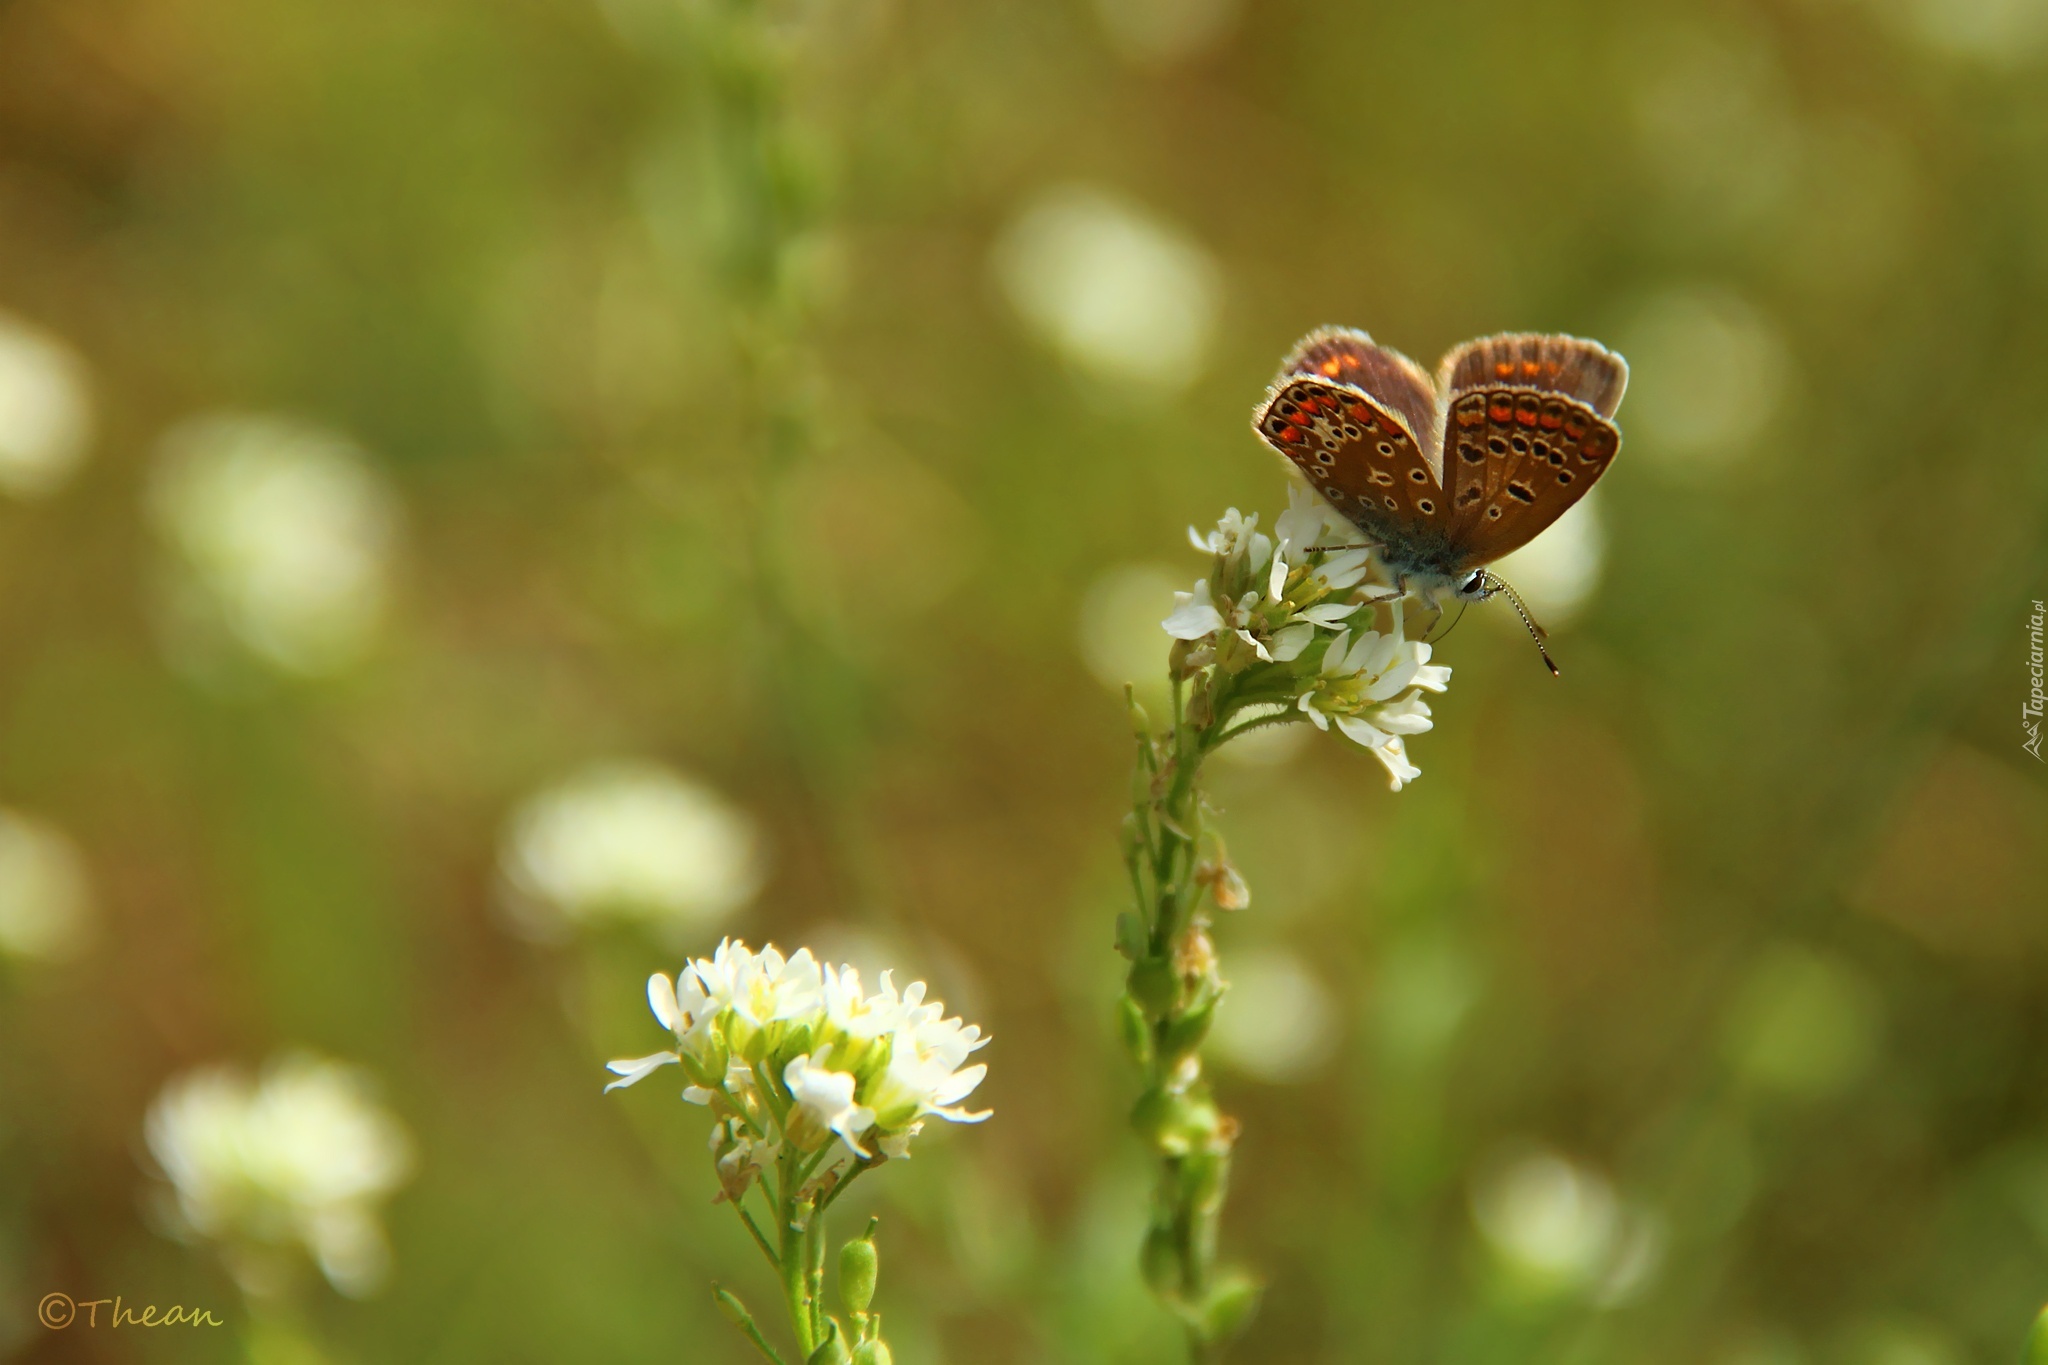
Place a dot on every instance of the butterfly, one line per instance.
(1447, 476)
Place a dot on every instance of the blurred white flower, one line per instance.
(282, 533)
(1556, 1226)
(45, 410)
(45, 902)
(863, 1068)
(1123, 296)
(1557, 572)
(1116, 638)
(1277, 1023)
(301, 1158)
(629, 841)
(1426, 991)
(1707, 374)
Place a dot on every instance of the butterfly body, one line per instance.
(1448, 474)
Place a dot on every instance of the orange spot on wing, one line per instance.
(1331, 366)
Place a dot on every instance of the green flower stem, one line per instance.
(760, 1239)
(1172, 990)
(793, 1259)
(798, 1254)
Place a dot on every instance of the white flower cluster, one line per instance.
(301, 1158)
(790, 1053)
(1272, 623)
(629, 841)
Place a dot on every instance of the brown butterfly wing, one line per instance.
(1349, 356)
(1357, 446)
(1527, 431)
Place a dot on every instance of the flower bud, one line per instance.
(858, 1267)
(1174, 1124)
(729, 1304)
(831, 1351)
(1154, 985)
(1226, 885)
(1159, 1258)
(1185, 1032)
(1229, 1306)
(874, 1352)
(1131, 939)
(1132, 1028)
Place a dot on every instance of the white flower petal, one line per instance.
(1289, 641)
(1333, 656)
(1194, 615)
(1409, 716)
(1435, 677)
(631, 1069)
(1394, 755)
(1363, 732)
(661, 998)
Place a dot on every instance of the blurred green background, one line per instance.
(408, 409)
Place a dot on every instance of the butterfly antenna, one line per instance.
(1496, 584)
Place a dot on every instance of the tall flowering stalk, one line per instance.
(1280, 631)
(811, 1083)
